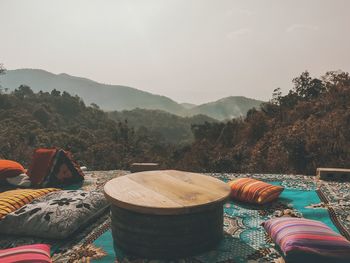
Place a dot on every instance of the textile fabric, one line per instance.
(13, 200)
(10, 168)
(41, 164)
(54, 167)
(38, 253)
(56, 215)
(304, 239)
(254, 191)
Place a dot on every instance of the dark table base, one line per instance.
(166, 236)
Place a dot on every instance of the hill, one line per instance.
(296, 133)
(171, 128)
(108, 97)
(116, 97)
(30, 120)
(226, 108)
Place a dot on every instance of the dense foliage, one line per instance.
(168, 127)
(296, 133)
(30, 120)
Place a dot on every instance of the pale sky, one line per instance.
(190, 50)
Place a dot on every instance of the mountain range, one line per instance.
(118, 97)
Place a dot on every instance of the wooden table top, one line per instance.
(166, 192)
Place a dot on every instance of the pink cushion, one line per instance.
(39, 253)
(305, 240)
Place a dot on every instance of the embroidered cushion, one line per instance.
(12, 200)
(254, 191)
(29, 253)
(56, 215)
(10, 169)
(304, 240)
(54, 167)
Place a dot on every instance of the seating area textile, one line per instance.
(10, 168)
(12, 200)
(254, 191)
(303, 239)
(56, 215)
(38, 253)
(245, 240)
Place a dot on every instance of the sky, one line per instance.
(192, 51)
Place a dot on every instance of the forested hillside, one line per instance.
(296, 133)
(169, 127)
(29, 120)
(118, 97)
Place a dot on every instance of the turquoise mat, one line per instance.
(244, 238)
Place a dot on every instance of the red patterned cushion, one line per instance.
(39, 253)
(54, 167)
(304, 240)
(10, 169)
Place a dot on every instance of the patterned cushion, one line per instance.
(304, 240)
(10, 169)
(12, 200)
(254, 191)
(54, 167)
(56, 215)
(30, 253)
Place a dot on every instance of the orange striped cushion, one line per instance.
(12, 200)
(254, 191)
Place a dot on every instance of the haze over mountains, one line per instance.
(117, 97)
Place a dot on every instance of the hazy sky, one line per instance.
(192, 51)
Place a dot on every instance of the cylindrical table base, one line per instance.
(166, 236)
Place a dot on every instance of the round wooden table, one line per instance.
(166, 214)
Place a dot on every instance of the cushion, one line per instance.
(304, 240)
(56, 215)
(10, 169)
(54, 167)
(21, 180)
(254, 191)
(39, 253)
(41, 165)
(12, 200)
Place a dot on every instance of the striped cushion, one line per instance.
(12, 200)
(39, 253)
(304, 240)
(254, 191)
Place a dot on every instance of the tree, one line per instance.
(2, 71)
(23, 91)
(307, 87)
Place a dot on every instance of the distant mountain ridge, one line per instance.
(118, 97)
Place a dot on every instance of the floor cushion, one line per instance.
(56, 215)
(304, 240)
(38, 253)
(54, 167)
(10, 168)
(21, 180)
(254, 191)
(13, 200)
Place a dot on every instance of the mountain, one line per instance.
(117, 97)
(108, 97)
(188, 105)
(226, 108)
(166, 126)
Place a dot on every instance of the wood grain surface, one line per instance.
(166, 192)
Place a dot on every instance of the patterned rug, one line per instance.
(244, 239)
